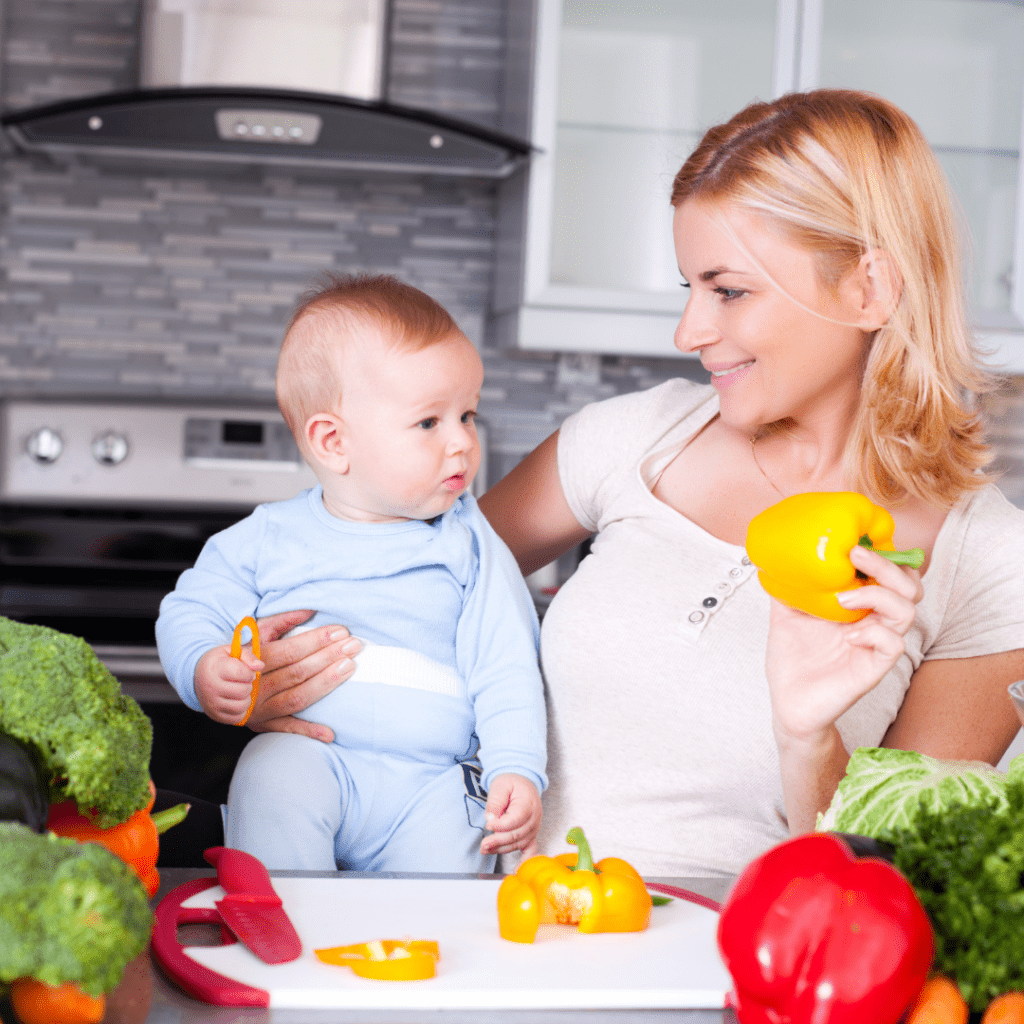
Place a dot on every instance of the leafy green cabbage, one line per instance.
(883, 788)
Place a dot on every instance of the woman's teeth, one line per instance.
(725, 373)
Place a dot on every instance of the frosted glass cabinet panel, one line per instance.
(623, 91)
(622, 94)
(957, 67)
(637, 83)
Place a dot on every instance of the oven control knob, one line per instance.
(110, 449)
(44, 445)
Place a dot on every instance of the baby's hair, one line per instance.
(339, 310)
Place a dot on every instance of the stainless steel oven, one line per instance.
(102, 506)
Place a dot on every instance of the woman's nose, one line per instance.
(694, 330)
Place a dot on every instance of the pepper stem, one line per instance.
(584, 859)
(914, 557)
(169, 817)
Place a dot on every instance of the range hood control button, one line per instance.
(44, 445)
(110, 449)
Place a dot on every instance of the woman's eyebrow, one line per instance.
(710, 275)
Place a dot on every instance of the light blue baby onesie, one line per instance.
(450, 665)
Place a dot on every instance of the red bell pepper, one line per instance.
(811, 934)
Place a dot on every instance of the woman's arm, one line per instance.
(817, 669)
(959, 709)
(528, 510)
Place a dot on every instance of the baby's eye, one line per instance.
(729, 293)
(469, 416)
(428, 424)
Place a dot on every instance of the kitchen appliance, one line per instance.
(674, 964)
(275, 82)
(103, 505)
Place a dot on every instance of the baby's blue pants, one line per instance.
(407, 798)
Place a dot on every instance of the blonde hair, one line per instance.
(338, 311)
(845, 173)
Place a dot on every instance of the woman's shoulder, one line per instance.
(988, 518)
(641, 415)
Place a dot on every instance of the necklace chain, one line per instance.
(753, 451)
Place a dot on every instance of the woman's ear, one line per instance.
(325, 438)
(873, 289)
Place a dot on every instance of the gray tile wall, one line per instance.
(175, 282)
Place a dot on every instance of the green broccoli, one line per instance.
(69, 911)
(92, 742)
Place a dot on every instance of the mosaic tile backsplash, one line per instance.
(175, 282)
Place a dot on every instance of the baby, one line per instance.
(439, 735)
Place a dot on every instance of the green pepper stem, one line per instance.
(913, 558)
(584, 859)
(170, 816)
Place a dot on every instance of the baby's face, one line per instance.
(409, 430)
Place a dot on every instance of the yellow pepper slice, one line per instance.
(386, 959)
(236, 652)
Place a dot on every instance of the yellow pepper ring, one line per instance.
(386, 959)
(236, 652)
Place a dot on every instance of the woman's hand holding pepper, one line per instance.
(817, 669)
(299, 670)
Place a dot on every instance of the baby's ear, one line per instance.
(325, 438)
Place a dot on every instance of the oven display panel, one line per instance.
(243, 444)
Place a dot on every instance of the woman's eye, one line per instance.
(729, 293)
(428, 424)
(684, 284)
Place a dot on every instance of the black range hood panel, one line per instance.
(279, 126)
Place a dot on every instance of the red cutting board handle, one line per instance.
(241, 873)
(193, 977)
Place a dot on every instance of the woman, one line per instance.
(687, 736)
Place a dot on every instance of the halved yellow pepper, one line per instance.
(802, 545)
(570, 889)
(386, 959)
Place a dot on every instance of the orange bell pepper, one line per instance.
(35, 1002)
(236, 652)
(136, 841)
(570, 889)
(386, 959)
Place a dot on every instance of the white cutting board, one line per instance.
(673, 964)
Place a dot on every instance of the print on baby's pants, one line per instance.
(476, 795)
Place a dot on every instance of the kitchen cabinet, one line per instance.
(622, 93)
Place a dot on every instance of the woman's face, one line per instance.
(772, 354)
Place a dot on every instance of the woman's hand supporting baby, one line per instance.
(296, 671)
(817, 669)
(513, 815)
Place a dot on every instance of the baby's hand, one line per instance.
(513, 816)
(224, 684)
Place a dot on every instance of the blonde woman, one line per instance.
(693, 721)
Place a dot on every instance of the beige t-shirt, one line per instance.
(660, 739)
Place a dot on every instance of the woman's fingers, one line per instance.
(299, 671)
(895, 596)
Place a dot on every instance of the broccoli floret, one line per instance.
(92, 741)
(69, 911)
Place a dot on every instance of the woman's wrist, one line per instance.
(811, 764)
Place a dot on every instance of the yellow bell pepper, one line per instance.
(802, 547)
(386, 959)
(570, 889)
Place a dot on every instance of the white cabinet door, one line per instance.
(957, 67)
(622, 94)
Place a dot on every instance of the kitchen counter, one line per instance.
(171, 1006)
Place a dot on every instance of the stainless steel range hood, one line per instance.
(289, 82)
(239, 125)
